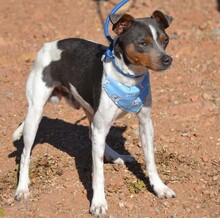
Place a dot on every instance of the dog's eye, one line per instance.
(142, 44)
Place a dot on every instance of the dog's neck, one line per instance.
(125, 65)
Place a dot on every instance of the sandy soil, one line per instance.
(186, 116)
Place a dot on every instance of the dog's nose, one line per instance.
(166, 60)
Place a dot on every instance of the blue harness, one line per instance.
(127, 98)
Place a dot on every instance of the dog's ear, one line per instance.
(120, 22)
(162, 18)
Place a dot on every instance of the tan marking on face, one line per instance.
(149, 39)
(150, 60)
(162, 37)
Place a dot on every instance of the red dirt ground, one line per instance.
(186, 101)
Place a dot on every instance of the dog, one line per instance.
(106, 87)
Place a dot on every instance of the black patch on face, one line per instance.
(80, 65)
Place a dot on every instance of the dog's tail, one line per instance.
(18, 133)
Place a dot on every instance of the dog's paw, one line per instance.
(163, 191)
(123, 159)
(99, 208)
(18, 133)
(22, 193)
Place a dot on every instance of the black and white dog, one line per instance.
(105, 87)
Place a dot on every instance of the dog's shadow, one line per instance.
(73, 139)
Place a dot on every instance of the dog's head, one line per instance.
(143, 41)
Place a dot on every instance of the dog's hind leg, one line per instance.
(113, 156)
(37, 95)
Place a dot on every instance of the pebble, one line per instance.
(198, 206)
(129, 206)
(205, 192)
(208, 97)
(188, 210)
(121, 204)
(205, 158)
(174, 215)
(77, 33)
(184, 134)
(197, 188)
(204, 26)
(166, 204)
(215, 178)
(172, 140)
(194, 98)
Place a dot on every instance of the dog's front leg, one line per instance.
(99, 131)
(147, 138)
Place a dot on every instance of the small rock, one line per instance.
(205, 192)
(194, 98)
(185, 134)
(205, 158)
(174, 215)
(198, 134)
(121, 204)
(172, 140)
(120, 183)
(77, 33)
(208, 97)
(129, 206)
(203, 26)
(197, 188)
(198, 206)
(188, 210)
(215, 178)
(166, 204)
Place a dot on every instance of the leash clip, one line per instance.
(108, 53)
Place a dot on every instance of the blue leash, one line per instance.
(109, 51)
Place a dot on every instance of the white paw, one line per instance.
(163, 191)
(98, 208)
(18, 133)
(122, 159)
(16, 136)
(22, 193)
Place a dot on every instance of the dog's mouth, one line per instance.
(159, 68)
(162, 68)
(164, 64)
